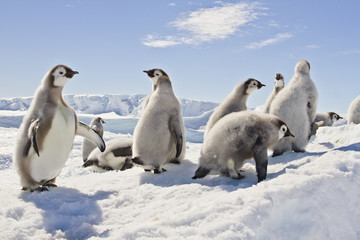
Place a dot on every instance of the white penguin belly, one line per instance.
(56, 147)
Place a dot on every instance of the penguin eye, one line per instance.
(157, 74)
(61, 73)
(283, 129)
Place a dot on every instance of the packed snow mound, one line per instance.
(122, 105)
(311, 195)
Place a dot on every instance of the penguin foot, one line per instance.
(299, 150)
(137, 161)
(40, 189)
(90, 163)
(277, 153)
(127, 165)
(201, 172)
(174, 161)
(49, 185)
(238, 177)
(158, 171)
(107, 168)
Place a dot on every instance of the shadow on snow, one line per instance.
(68, 210)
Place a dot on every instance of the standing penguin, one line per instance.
(296, 106)
(235, 102)
(159, 135)
(354, 111)
(237, 137)
(278, 86)
(87, 146)
(47, 133)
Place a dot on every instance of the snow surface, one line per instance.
(311, 195)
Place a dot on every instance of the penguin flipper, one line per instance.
(174, 126)
(89, 133)
(34, 126)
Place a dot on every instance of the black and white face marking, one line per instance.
(155, 74)
(99, 120)
(278, 76)
(252, 85)
(284, 132)
(334, 117)
(62, 75)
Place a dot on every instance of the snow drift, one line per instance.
(311, 195)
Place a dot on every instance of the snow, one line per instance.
(311, 195)
(122, 105)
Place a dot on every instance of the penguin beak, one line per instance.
(288, 134)
(261, 85)
(340, 118)
(149, 74)
(70, 74)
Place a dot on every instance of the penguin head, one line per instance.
(334, 116)
(279, 81)
(302, 67)
(155, 74)
(284, 131)
(251, 85)
(60, 74)
(98, 120)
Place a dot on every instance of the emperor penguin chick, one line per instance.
(237, 137)
(159, 135)
(296, 106)
(353, 113)
(235, 102)
(278, 86)
(117, 156)
(154, 75)
(87, 146)
(323, 119)
(47, 133)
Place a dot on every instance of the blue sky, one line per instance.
(206, 47)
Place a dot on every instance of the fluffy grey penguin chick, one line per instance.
(279, 84)
(296, 106)
(353, 113)
(47, 133)
(159, 135)
(117, 156)
(237, 137)
(235, 102)
(87, 146)
(323, 119)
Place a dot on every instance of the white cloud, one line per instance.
(153, 41)
(207, 24)
(353, 51)
(278, 38)
(313, 46)
(172, 4)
